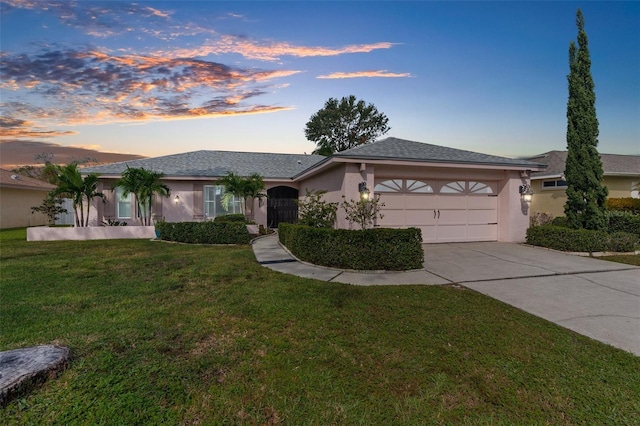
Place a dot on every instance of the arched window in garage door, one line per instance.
(400, 185)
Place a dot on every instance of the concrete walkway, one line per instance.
(593, 297)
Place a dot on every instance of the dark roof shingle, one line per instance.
(612, 164)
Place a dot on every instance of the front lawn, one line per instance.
(629, 259)
(173, 334)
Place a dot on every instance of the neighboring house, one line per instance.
(621, 174)
(17, 195)
(450, 194)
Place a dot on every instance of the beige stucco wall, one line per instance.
(15, 208)
(551, 201)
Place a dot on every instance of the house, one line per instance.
(621, 175)
(17, 195)
(450, 194)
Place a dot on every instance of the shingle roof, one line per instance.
(612, 164)
(13, 180)
(402, 149)
(217, 164)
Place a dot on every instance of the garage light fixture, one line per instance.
(176, 199)
(526, 193)
(363, 190)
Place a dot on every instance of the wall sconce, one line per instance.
(176, 200)
(526, 193)
(363, 190)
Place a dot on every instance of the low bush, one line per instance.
(624, 222)
(368, 249)
(581, 240)
(627, 204)
(559, 221)
(234, 217)
(204, 232)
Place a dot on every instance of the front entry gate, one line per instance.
(281, 205)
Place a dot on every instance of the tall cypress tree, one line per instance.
(583, 170)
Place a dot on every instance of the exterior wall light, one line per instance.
(176, 200)
(526, 193)
(363, 190)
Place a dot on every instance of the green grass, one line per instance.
(176, 334)
(630, 259)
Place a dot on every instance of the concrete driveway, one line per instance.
(593, 297)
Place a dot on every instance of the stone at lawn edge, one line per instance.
(22, 369)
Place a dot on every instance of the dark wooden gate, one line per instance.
(281, 205)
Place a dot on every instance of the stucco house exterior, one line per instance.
(450, 194)
(621, 174)
(17, 195)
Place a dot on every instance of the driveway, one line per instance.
(593, 297)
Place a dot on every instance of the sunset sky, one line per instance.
(162, 77)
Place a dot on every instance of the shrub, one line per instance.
(316, 212)
(368, 249)
(620, 221)
(204, 232)
(560, 221)
(627, 204)
(234, 217)
(581, 240)
(540, 218)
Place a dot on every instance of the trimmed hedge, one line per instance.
(626, 204)
(581, 240)
(204, 232)
(234, 217)
(369, 249)
(624, 222)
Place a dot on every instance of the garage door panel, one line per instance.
(428, 233)
(392, 218)
(452, 202)
(482, 203)
(480, 217)
(392, 201)
(420, 217)
(452, 217)
(421, 202)
(451, 233)
(482, 232)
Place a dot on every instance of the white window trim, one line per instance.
(555, 187)
(120, 199)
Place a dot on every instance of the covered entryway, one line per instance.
(444, 210)
(281, 205)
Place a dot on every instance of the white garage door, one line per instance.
(445, 211)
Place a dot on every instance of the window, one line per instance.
(457, 187)
(392, 185)
(124, 204)
(216, 204)
(418, 186)
(479, 188)
(551, 184)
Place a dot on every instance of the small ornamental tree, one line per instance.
(315, 212)
(586, 195)
(344, 125)
(50, 207)
(364, 212)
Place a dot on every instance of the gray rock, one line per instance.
(23, 369)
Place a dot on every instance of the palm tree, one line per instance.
(144, 185)
(243, 188)
(71, 184)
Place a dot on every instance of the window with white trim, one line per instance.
(635, 189)
(553, 184)
(124, 204)
(216, 204)
(479, 188)
(419, 186)
(391, 185)
(456, 187)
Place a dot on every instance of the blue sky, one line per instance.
(161, 77)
